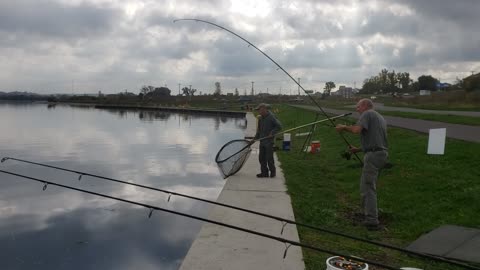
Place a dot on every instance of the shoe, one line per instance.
(272, 175)
(262, 175)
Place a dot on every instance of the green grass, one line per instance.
(420, 193)
(446, 118)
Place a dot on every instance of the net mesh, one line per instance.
(232, 156)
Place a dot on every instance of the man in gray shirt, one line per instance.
(373, 138)
(268, 126)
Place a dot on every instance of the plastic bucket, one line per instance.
(330, 265)
(315, 147)
(286, 141)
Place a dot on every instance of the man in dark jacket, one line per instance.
(268, 126)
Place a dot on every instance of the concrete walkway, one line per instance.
(450, 241)
(218, 247)
(462, 132)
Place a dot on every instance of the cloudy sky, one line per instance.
(52, 46)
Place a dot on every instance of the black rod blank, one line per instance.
(384, 245)
(152, 207)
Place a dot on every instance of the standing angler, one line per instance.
(373, 137)
(268, 126)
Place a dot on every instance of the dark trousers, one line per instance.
(266, 159)
(372, 163)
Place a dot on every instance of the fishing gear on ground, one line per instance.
(231, 156)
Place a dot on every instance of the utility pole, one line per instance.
(253, 91)
(179, 89)
(299, 86)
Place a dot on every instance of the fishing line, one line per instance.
(152, 207)
(279, 67)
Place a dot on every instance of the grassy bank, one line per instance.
(446, 118)
(418, 194)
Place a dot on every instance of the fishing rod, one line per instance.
(283, 220)
(279, 67)
(279, 133)
(152, 208)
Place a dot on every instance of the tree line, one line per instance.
(392, 82)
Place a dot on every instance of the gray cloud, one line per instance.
(125, 45)
(52, 19)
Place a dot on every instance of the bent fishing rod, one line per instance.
(280, 133)
(279, 67)
(283, 220)
(152, 208)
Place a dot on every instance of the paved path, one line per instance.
(456, 131)
(450, 241)
(218, 247)
(381, 107)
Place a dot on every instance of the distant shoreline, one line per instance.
(154, 107)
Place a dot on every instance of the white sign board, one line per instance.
(436, 141)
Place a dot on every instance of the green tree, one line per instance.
(218, 89)
(427, 82)
(404, 80)
(185, 91)
(472, 82)
(328, 88)
(146, 89)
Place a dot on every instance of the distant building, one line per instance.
(245, 99)
(346, 92)
(425, 92)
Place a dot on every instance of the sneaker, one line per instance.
(262, 175)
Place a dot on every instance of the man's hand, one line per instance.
(340, 127)
(355, 129)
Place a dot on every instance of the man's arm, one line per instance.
(355, 129)
(276, 126)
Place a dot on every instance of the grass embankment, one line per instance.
(420, 193)
(446, 118)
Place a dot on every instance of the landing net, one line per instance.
(232, 156)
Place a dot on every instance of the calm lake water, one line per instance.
(65, 229)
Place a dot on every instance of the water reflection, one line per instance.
(62, 229)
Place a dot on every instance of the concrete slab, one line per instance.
(450, 241)
(218, 247)
(469, 251)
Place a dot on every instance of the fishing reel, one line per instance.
(346, 154)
